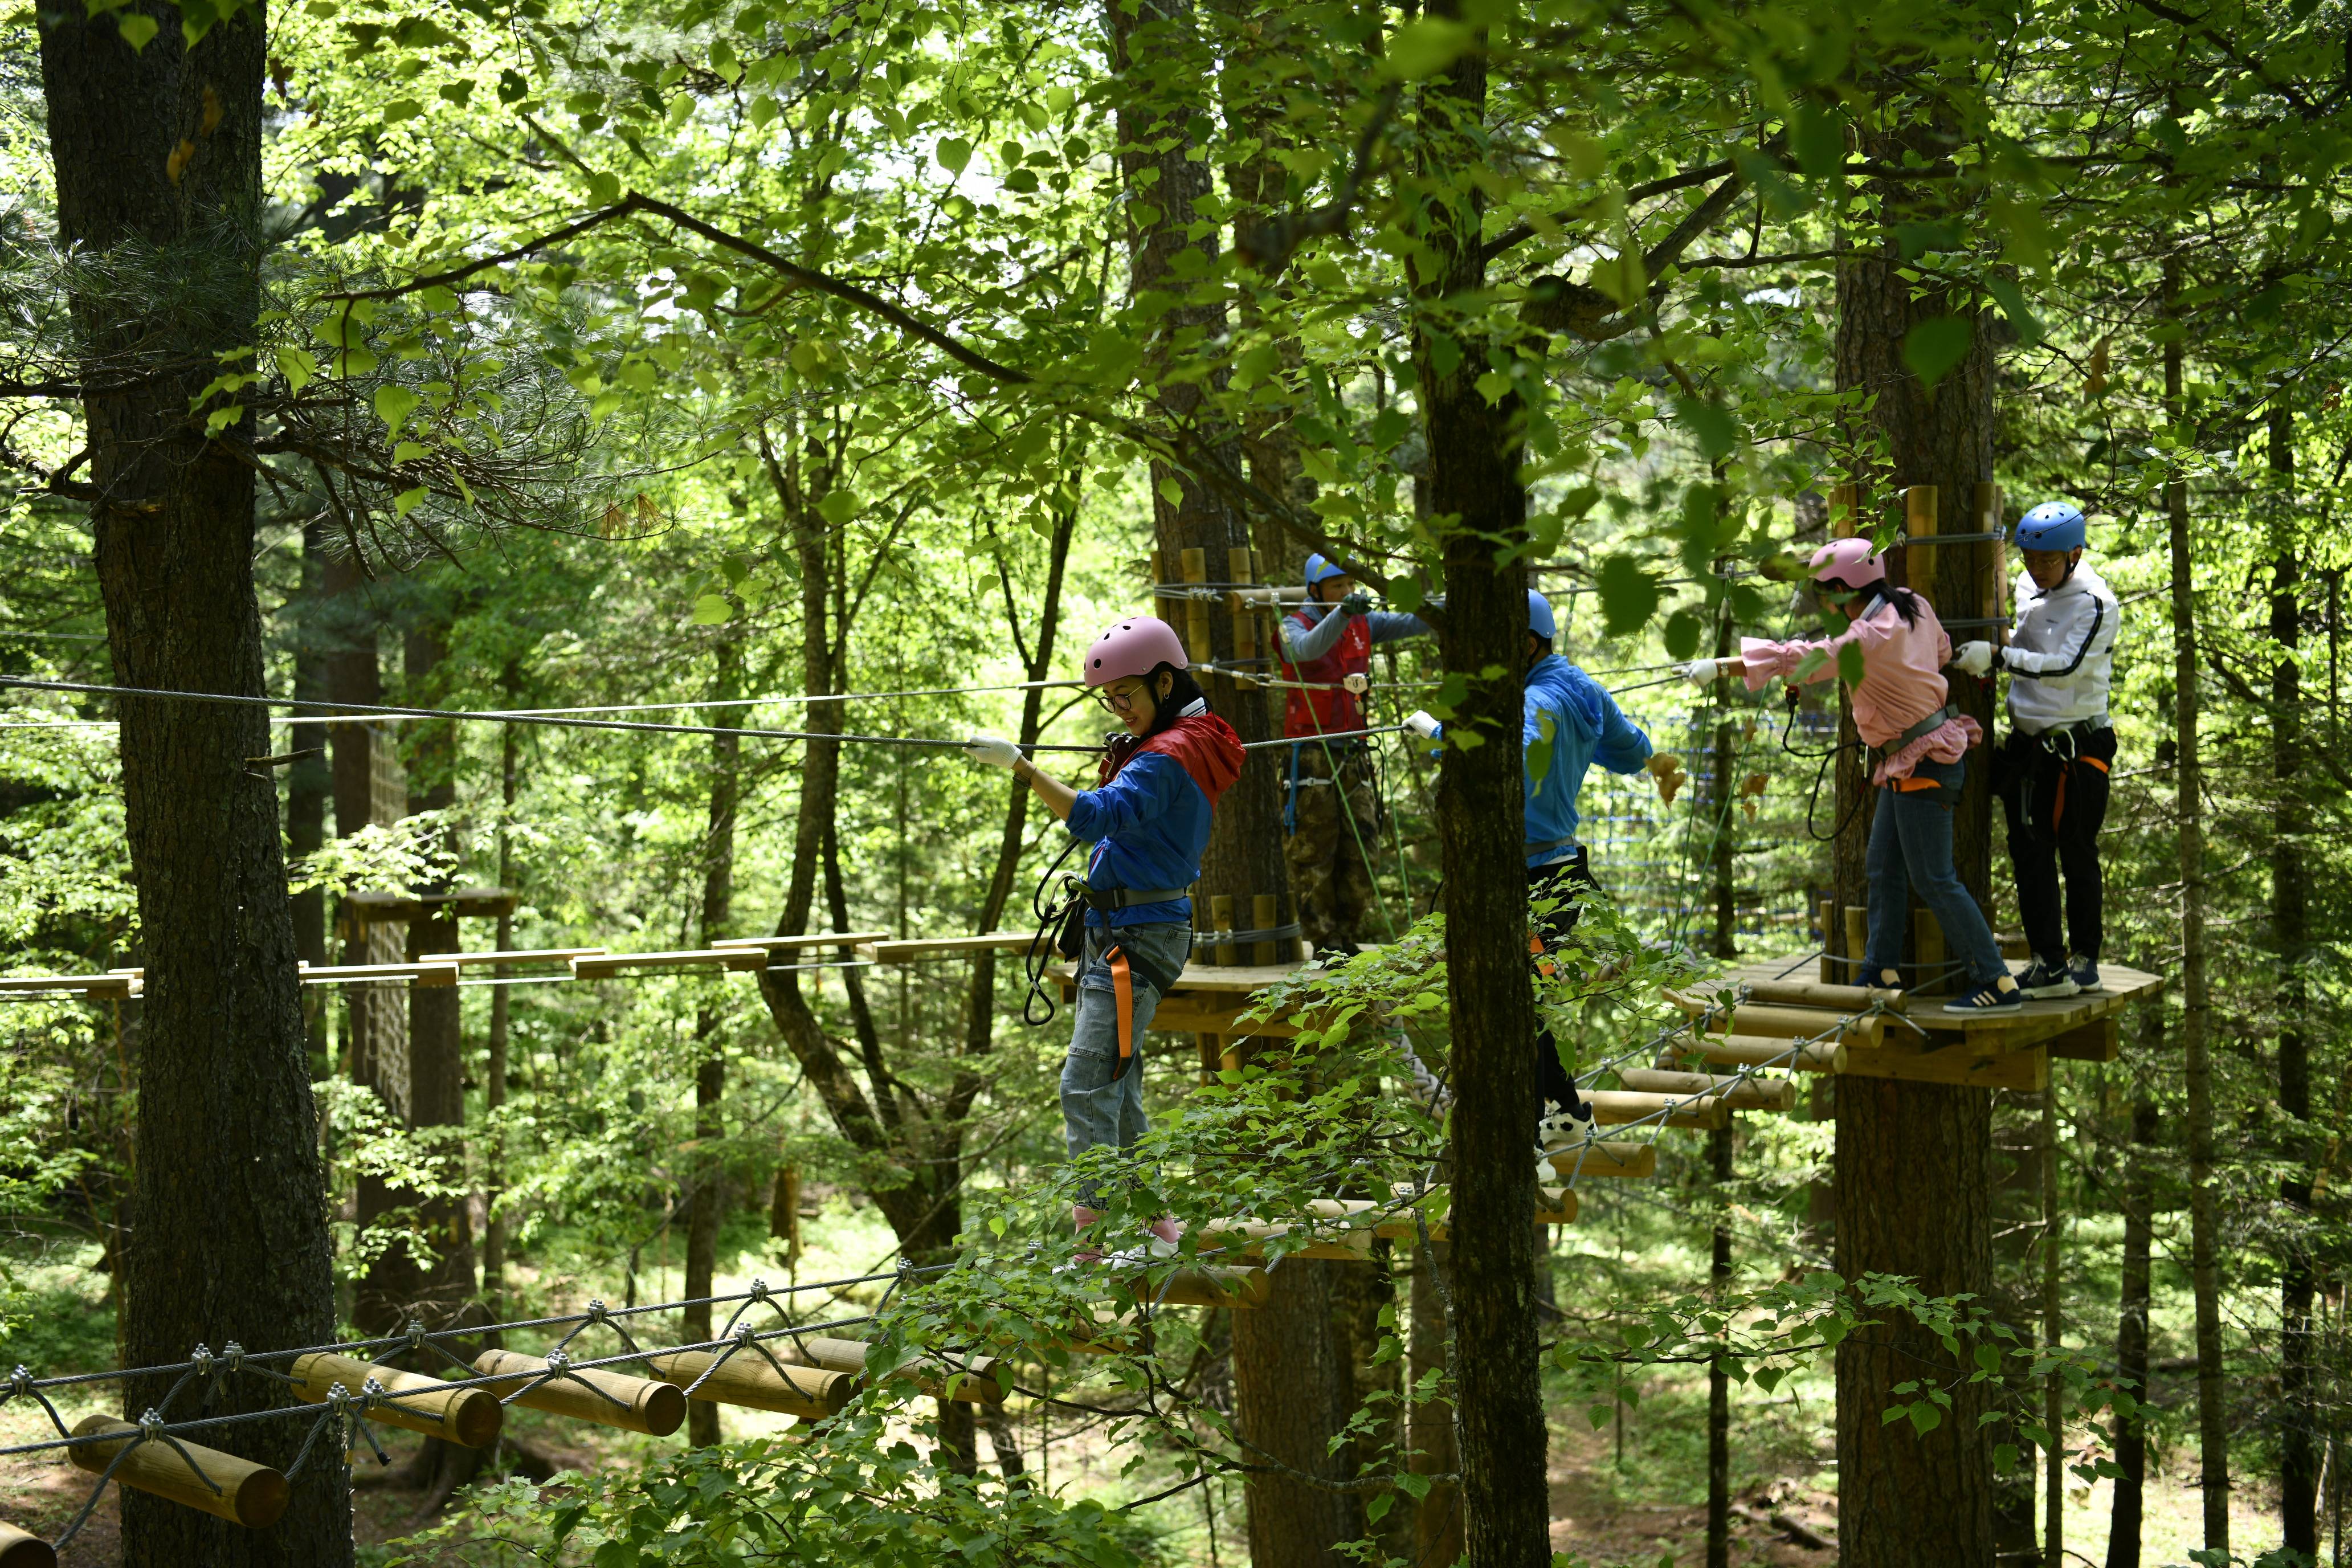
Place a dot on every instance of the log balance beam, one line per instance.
(18, 1550)
(189, 1474)
(470, 1418)
(584, 1394)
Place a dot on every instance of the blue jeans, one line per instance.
(1097, 1107)
(1911, 845)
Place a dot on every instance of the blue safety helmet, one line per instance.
(1539, 619)
(2052, 525)
(1321, 571)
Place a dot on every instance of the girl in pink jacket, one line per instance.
(1919, 746)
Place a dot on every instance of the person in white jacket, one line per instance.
(2052, 773)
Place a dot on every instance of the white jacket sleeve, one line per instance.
(2083, 626)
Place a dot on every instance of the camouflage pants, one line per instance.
(1330, 871)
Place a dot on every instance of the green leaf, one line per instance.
(220, 418)
(1935, 348)
(1683, 630)
(400, 108)
(1539, 751)
(297, 367)
(2013, 306)
(406, 501)
(838, 507)
(196, 19)
(711, 610)
(408, 452)
(1817, 136)
(1849, 663)
(1629, 595)
(1710, 425)
(137, 30)
(1426, 47)
(1926, 1417)
(393, 404)
(954, 153)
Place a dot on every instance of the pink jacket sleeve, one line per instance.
(1766, 661)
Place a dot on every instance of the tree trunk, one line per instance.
(1914, 1177)
(1437, 1521)
(2132, 1306)
(1285, 1362)
(2196, 1007)
(158, 155)
(2290, 938)
(2053, 1306)
(306, 785)
(1718, 1380)
(494, 1075)
(1478, 503)
(707, 1195)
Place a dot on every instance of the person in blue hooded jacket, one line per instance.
(1583, 727)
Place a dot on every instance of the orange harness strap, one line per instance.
(1122, 989)
(2092, 762)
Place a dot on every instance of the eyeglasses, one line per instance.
(1117, 701)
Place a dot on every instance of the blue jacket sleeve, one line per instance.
(1142, 792)
(1624, 747)
(1395, 625)
(1299, 645)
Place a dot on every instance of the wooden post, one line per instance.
(249, 1494)
(470, 1418)
(1264, 908)
(18, 1550)
(1197, 646)
(1919, 511)
(1220, 916)
(746, 1378)
(1829, 969)
(1152, 606)
(1989, 520)
(784, 1212)
(1237, 570)
(975, 1376)
(1846, 509)
(590, 1394)
(1857, 942)
(1927, 945)
(1212, 1049)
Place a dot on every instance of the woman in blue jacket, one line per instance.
(1581, 723)
(1148, 818)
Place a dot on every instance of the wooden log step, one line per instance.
(501, 960)
(746, 1378)
(974, 1377)
(1837, 998)
(586, 1394)
(1620, 1107)
(605, 965)
(1754, 1051)
(1779, 1021)
(425, 976)
(18, 1550)
(1629, 1159)
(1740, 1093)
(1202, 1287)
(470, 1418)
(98, 987)
(239, 1490)
(797, 943)
(921, 950)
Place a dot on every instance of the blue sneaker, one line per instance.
(1988, 998)
(2042, 979)
(2085, 973)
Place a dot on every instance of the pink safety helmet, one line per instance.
(1849, 562)
(1136, 646)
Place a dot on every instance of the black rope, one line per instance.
(1813, 800)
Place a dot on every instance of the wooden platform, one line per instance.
(2009, 1050)
(1209, 998)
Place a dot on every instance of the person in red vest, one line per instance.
(1330, 807)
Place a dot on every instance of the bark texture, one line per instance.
(1477, 501)
(2129, 1508)
(706, 1206)
(158, 170)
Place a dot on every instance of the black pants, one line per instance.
(2053, 790)
(1561, 881)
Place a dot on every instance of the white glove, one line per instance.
(1700, 671)
(994, 750)
(1420, 724)
(1974, 658)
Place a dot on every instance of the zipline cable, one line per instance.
(346, 712)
